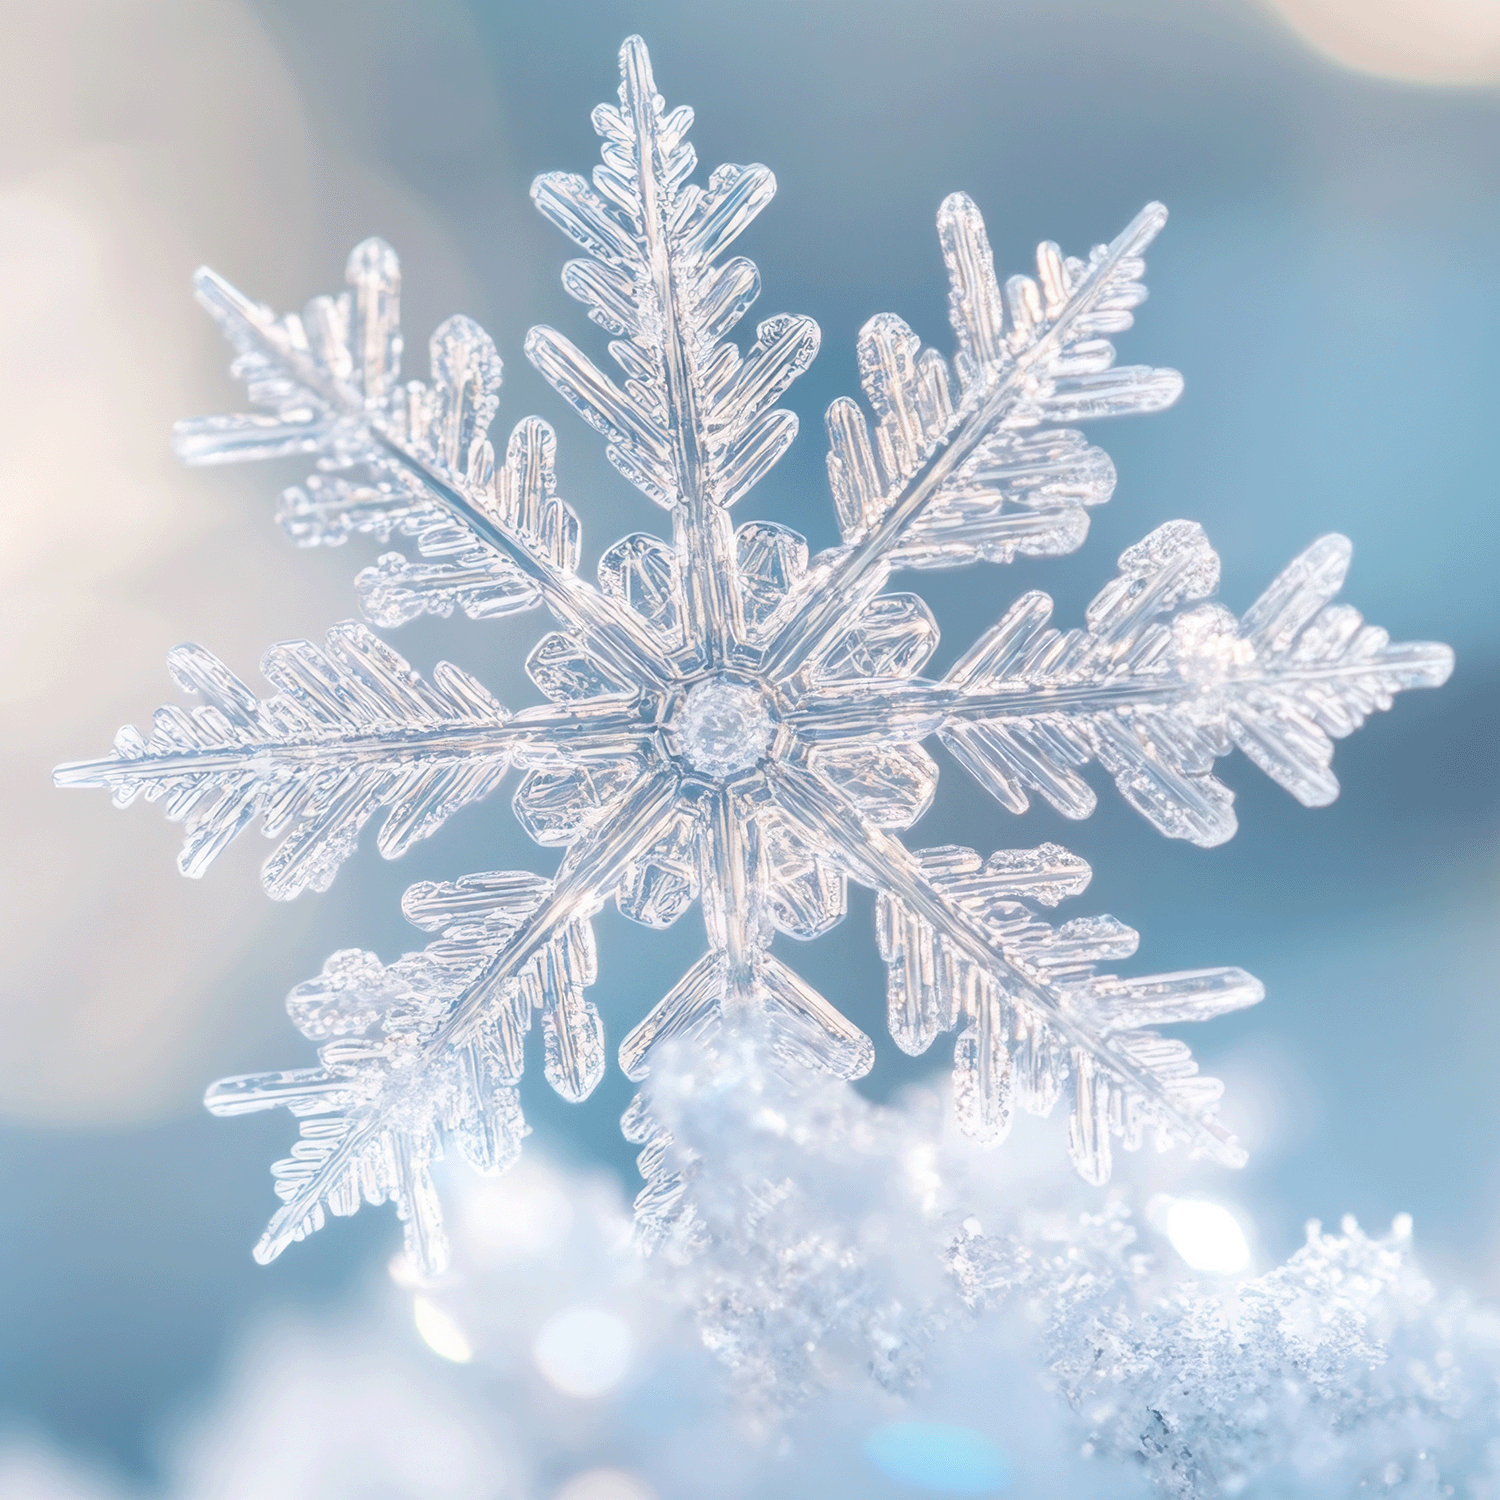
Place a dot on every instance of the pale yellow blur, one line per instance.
(1420, 41)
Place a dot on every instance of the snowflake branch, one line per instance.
(878, 860)
(695, 425)
(334, 399)
(583, 881)
(354, 730)
(589, 871)
(739, 985)
(617, 633)
(1154, 702)
(723, 982)
(704, 538)
(1001, 384)
(734, 899)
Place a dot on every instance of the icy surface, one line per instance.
(727, 718)
(991, 1302)
(860, 1252)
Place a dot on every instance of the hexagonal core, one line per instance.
(722, 727)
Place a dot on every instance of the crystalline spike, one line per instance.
(691, 1009)
(805, 1026)
(466, 373)
(982, 1086)
(374, 276)
(1046, 874)
(975, 308)
(1088, 1129)
(574, 1041)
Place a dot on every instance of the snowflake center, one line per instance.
(722, 727)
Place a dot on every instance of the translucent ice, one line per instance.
(728, 719)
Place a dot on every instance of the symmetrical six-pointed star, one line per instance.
(728, 719)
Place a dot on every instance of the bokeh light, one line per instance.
(584, 1351)
(1421, 41)
(440, 1332)
(1206, 1235)
(939, 1456)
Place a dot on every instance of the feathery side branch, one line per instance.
(618, 635)
(583, 882)
(861, 572)
(882, 862)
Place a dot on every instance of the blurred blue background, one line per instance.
(1327, 284)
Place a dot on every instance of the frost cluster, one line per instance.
(855, 1244)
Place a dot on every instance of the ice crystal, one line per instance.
(727, 718)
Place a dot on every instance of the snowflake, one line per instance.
(730, 720)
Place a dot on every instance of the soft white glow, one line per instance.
(605, 1484)
(921, 1167)
(1424, 41)
(525, 1212)
(1206, 1235)
(583, 1351)
(440, 1333)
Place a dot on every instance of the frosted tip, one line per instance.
(1142, 229)
(372, 262)
(635, 69)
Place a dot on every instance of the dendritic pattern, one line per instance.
(729, 720)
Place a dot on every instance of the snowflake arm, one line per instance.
(421, 462)
(696, 424)
(354, 730)
(962, 951)
(1154, 702)
(452, 1023)
(739, 983)
(948, 481)
(734, 915)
